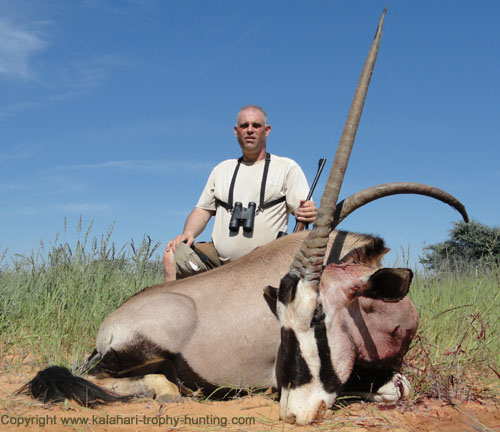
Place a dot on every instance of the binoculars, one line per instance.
(242, 217)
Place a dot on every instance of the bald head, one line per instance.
(252, 107)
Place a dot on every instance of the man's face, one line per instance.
(251, 132)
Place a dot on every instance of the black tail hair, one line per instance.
(57, 383)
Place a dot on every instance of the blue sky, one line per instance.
(118, 110)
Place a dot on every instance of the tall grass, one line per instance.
(53, 301)
(456, 353)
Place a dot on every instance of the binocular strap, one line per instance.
(262, 206)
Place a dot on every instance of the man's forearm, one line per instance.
(197, 221)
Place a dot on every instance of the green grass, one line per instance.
(53, 302)
(456, 353)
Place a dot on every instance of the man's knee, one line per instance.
(187, 263)
(169, 265)
(168, 257)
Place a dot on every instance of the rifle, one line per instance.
(321, 164)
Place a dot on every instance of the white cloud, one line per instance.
(83, 76)
(19, 107)
(151, 166)
(116, 7)
(35, 210)
(26, 212)
(13, 186)
(72, 81)
(44, 182)
(17, 47)
(16, 156)
(82, 207)
(90, 73)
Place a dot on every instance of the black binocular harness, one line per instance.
(262, 206)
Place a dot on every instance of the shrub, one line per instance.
(469, 243)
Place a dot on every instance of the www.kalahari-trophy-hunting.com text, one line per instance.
(49, 420)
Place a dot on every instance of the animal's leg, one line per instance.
(398, 387)
(153, 385)
(377, 386)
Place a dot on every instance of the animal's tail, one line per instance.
(57, 383)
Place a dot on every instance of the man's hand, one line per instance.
(195, 224)
(172, 244)
(307, 212)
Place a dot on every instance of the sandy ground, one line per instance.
(250, 413)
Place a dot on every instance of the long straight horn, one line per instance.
(309, 259)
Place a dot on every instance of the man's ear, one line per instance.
(268, 130)
(271, 296)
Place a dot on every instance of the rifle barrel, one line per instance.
(321, 164)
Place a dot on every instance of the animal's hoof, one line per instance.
(397, 388)
(403, 385)
(162, 389)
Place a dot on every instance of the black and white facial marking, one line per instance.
(318, 351)
(303, 366)
(293, 369)
(328, 377)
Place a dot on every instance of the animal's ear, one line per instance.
(288, 288)
(271, 296)
(388, 284)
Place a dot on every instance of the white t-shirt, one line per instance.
(285, 178)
